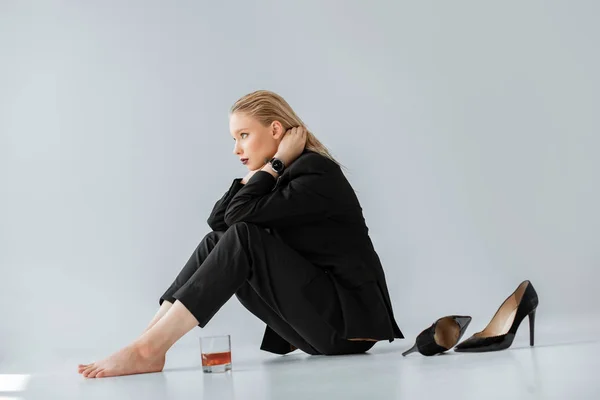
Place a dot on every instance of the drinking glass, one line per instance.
(216, 353)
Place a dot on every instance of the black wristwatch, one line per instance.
(277, 165)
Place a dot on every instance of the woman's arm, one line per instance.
(216, 220)
(309, 195)
(304, 197)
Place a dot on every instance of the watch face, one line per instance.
(277, 165)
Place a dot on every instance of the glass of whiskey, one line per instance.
(216, 353)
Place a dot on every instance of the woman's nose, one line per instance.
(236, 148)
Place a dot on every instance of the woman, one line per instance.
(289, 240)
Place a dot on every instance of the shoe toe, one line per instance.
(465, 345)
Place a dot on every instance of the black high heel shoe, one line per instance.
(442, 335)
(501, 330)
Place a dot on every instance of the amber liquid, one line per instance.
(210, 359)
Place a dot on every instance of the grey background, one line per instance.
(469, 129)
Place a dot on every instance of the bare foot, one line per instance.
(127, 361)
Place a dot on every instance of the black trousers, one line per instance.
(268, 278)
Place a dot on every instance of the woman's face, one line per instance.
(254, 142)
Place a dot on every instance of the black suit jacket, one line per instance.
(313, 209)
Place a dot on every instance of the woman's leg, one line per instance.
(204, 248)
(164, 307)
(248, 254)
(166, 300)
(147, 353)
(288, 339)
(282, 334)
(196, 259)
(244, 253)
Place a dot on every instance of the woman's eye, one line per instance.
(242, 134)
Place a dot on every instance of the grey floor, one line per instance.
(562, 365)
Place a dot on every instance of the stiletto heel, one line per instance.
(531, 327)
(411, 350)
(442, 335)
(501, 330)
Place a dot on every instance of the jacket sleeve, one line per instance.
(306, 197)
(216, 220)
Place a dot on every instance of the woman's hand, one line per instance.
(292, 145)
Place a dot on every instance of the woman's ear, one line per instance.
(277, 129)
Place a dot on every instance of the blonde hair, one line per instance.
(267, 106)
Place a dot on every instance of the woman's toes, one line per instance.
(94, 373)
(100, 374)
(87, 371)
(82, 367)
